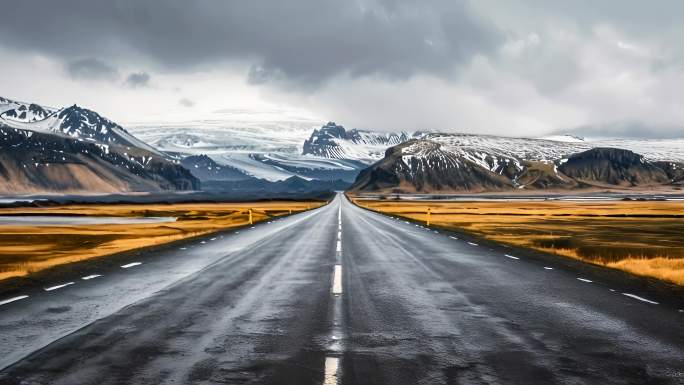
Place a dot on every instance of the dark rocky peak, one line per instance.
(36, 109)
(613, 166)
(333, 130)
(616, 155)
(87, 124)
(76, 116)
(323, 139)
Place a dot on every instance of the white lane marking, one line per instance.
(585, 280)
(407, 222)
(58, 286)
(339, 246)
(332, 365)
(510, 256)
(339, 235)
(640, 298)
(611, 289)
(9, 300)
(212, 239)
(548, 268)
(89, 277)
(126, 266)
(472, 244)
(681, 310)
(337, 280)
(436, 232)
(203, 242)
(183, 248)
(456, 238)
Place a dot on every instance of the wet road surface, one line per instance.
(339, 295)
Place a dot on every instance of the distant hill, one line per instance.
(452, 163)
(613, 167)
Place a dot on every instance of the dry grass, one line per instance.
(643, 238)
(25, 249)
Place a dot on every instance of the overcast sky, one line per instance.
(523, 68)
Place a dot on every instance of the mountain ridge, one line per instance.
(463, 163)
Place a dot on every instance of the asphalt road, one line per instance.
(339, 295)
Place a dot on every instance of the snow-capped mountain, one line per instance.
(74, 122)
(269, 146)
(75, 150)
(333, 141)
(255, 144)
(480, 148)
(460, 162)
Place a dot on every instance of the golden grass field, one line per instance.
(642, 237)
(29, 248)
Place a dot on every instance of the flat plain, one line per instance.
(641, 237)
(33, 239)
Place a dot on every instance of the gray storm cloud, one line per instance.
(307, 40)
(138, 79)
(525, 67)
(91, 69)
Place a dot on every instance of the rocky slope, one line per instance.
(469, 163)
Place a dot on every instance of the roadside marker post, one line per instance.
(251, 222)
(428, 217)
